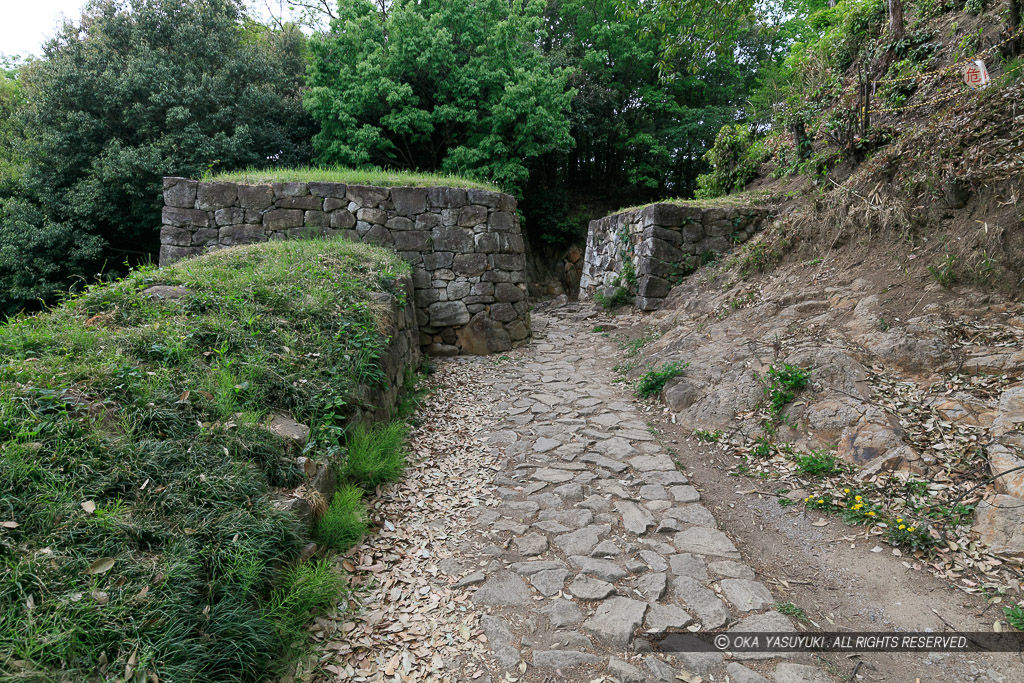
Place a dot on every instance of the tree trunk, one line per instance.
(896, 27)
(1014, 47)
(800, 141)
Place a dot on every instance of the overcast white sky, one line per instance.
(26, 24)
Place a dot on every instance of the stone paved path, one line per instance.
(596, 536)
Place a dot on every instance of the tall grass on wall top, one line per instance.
(136, 470)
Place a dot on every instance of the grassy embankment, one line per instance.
(350, 176)
(137, 532)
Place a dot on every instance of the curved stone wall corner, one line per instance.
(465, 246)
(662, 243)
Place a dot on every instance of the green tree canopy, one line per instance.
(457, 86)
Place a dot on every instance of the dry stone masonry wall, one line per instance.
(647, 250)
(465, 246)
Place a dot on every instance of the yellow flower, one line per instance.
(871, 513)
(858, 506)
(807, 499)
(912, 528)
(899, 519)
(820, 500)
(856, 497)
(846, 490)
(902, 527)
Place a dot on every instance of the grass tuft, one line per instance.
(374, 176)
(376, 455)
(345, 522)
(653, 381)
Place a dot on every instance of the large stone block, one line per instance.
(412, 240)
(366, 197)
(458, 290)
(257, 197)
(501, 221)
(427, 221)
(506, 292)
(448, 314)
(342, 219)
(231, 216)
(409, 201)
(294, 189)
(693, 232)
(426, 296)
(503, 312)
(204, 236)
(169, 253)
(717, 244)
(720, 228)
(507, 203)
(399, 223)
(213, 196)
(446, 197)
(282, 219)
(487, 242)
(453, 239)
(306, 203)
(242, 234)
(182, 218)
(485, 198)
(177, 237)
(471, 215)
(438, 259)
(508, 261)
(317, 219)
(379, 235)
(334, 203)
(651, 286)
(372, 216)
(512, 243)
(673, 237)
(659, 249)
(335, 190)
(180, 192)
(482, 335)
(517, 330)
(469, 264)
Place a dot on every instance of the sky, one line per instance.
(26, 25)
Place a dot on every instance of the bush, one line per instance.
(376, 455)
(654, 381)
(735, 159)
(781, 385)
(345, 521)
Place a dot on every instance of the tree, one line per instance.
(897, 31)
(1016, 45)
(12, 138)
(139, 89)
(456, 86)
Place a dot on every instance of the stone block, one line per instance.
(507, 203)
(666, 215)
(484, 198)
(426, 296)
(458, 290)
(295, 189)
(379, 235)
(420, 278)
(427, 221)
(182, 218)
(256, 197)
(446, 197)
(169, 253)
(282, 219)
(720, 228)
(366, 197)
(659, 249)
(213, 196)
(333, 203)
(501, 221)
(372, 216)
(333, 190)
(693, 232)
(438, 259)
(506, 292)
(409, 201)
(399, 223)
(317, 219)
(483, 289)
(673, 237)
(232, 235)
(716, 244)
(204, 236)
(482, 335)
(180, 192)
(448, 314)
(411, 240)
(651, 286)
(453, 239)
(305, 203)
(342, 219)
(508, 261)
(471, 215)
(232, 216)
(177, 237)
(517, 330)
(487, 242)
(469, 264)
(512, 243)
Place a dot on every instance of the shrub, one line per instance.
(376, 455)
(734, 158)
(619, 297)
(345, 521)
(782, 384)
(654, 381)
(819, 464)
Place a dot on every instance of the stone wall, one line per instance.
(465, 246)
(647, 250)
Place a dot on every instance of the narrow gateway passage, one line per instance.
(540, 532)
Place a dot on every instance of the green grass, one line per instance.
(352, 176)
(153, 412)
(1015, 616)
(792, 610)
(782, 384)
(819, 464)
(738, 200)
(375, 455)
(344, 523)
(653, 381)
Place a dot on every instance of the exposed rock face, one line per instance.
(658, 244)
(465, 247)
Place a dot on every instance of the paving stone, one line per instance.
(508, 525)
(553, 476)
(693, 514)
(606, 420)
(669, 525)
(560, 659)
(746, 595)
(550, 581)
(500, 639)
(595, 503)
(616, 448)
(521, 511)
(636, 566)
(605, 462)
(550, 526)
(733, 570)
(547, 500)
(652, 586)
(501, 589)
(635, 518)
(662, 671)
(503, 438)
(704, 663)
(574, 519)
(474, 579)
(665, 478)
(588, 588)
(688, 564)
(655, 561)
(701, 601)
(644, 463)
(562, 613)
(605, 570)
(582, 541)
(787, 672)
(570, 493)
(768, 622)
(661, 617)
(625, 672)
(530, 568)
(531, 544)
(705, 541)
(653, 492)
(606, 549)
(684, 494)
(741, 674)
(544, 444)
(616, 619)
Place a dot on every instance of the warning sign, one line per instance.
(976, 75)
